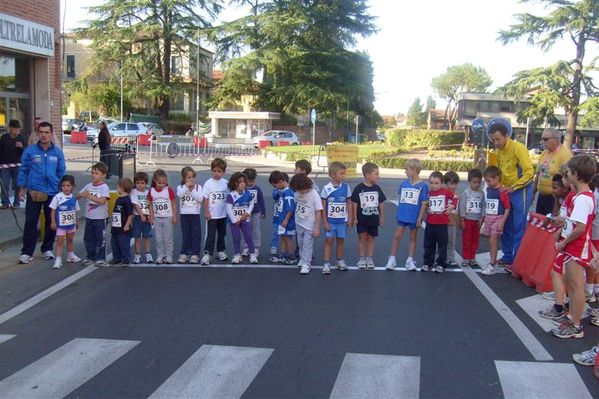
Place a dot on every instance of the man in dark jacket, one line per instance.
(12, 145)
(104, 144)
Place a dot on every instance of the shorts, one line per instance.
(282, 231)
(63, 232)
(491, 225)
(140, 229)
(412, 226)
(338, 230)
(562, 259)
(373, 231)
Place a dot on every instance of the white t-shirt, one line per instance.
(215, 191)
(60, 199)
(190, 202)
(306, 206)
(140, 198)
(93, 210)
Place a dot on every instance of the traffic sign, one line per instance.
(313, 116)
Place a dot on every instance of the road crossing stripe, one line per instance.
(533, 304)
(65, 369)
(215, 372)
(6, 337)
(524, 380)
(522, 332)
(266, 266)
(377, 376)
(31, 302)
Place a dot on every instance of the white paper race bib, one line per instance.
(492, 207)
(117, 220)
(436, 204)
(144, 205)
(369, 199)
(303, 210)
(66, 218)
(238, 212)
(278, 207)
(162, 208)
(473, 205)
(568, 227)
(409, 196)
(95, 194)
(188, 201)
(217, 197)
(337, 210)
(562, 211)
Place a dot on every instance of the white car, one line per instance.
(276, 136)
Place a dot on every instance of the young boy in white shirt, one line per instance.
(308, 212)
(215, 211)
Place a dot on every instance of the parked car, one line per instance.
(154, 127)
(274, 137)
(120, 129)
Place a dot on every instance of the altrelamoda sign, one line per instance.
(26, 36)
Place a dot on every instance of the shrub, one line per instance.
(429, 139)
(427, 164)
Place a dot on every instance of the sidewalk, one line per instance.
(11, 231)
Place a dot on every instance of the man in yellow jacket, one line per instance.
(517, 175)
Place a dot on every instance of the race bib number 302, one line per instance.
(409, 196)
(369, 199)
(66, 218)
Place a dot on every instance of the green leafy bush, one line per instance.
(427, 164)
(429, 139)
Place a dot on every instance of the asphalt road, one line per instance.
(267, 332)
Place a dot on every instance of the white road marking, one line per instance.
(215, 372)
(31, 302)
(522, 332)
(524, 380)
(64, 370)
(532, 304)
(267, 266)
(6, 337)
(377, 376)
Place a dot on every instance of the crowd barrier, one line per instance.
(537, 253)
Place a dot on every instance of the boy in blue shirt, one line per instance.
(285, 223)
(336, 204)
(259, 212)
(413, 197)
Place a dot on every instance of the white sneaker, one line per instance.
(237, 259)
(205, 260)
(273, 250)
(369, 263)
(411, 265)
(57, 264)
(221, 256)
(149, 258)
(24, 259)
(48, 255)
(501, 270)
(182, 259)
(489, 270)
(341, 265)
(101, 263)
(253, 259)
(195, 259)
(168, 260)
(245, 252)
(305, 269)
(326, 268)
(88, 262)
(362, 263)
(72, 258)
(137, 259)
(159, 260)
(391, 263)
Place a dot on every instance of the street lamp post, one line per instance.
(198, 85)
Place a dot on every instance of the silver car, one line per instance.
(274, 137)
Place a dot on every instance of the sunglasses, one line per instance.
(547, 138)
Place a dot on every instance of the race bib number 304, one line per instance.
(369, 199)
(337, 210)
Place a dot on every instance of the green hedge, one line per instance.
(399, 163)
(429, 139)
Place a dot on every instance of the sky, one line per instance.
(417, 40)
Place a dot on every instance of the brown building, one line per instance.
(30, 63)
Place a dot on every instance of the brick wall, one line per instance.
(45, 12)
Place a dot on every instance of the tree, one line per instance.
(141, 36)
(430, 103)
(566, 83)
(301, 49)
(456, 80)
(416, 116)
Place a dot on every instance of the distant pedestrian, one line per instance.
(12, 146)
(34, 135)
(163, 215)
(104, 144)
(552, 158)
(42, 168)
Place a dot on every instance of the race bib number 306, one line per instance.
(369, 199)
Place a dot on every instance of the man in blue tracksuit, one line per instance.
(516, 179)
(42, 167)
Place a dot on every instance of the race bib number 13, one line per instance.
(410, 196)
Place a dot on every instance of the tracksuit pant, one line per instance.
(470, 239)
(513, 231)
(305, 240)
(215, 227)
(94, 238)
(8, 175)
(191, 232)
(121, 248)
(245, 229)
(435, 241)
(30, 231)
(451, 231)
(164, 236)
(256, 236)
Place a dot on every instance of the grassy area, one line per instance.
(364, 150)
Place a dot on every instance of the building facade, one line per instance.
(30, 63)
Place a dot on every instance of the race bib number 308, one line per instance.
(369, 199)
(162, 208)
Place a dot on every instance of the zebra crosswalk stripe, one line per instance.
(377, 376)
(65, 369)
(215, 372)
(6, 337)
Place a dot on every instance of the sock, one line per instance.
(559, 308)
(410, 259)
(596, 288)
(70, 253)
(393, 257)
(588, 287)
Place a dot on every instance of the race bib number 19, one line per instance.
(369, 199)
(492, 207)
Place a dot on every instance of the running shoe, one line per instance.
(341, 265)
(586, 358)
(568, 330)
(411, 265)
(391, 263)
(326, 268)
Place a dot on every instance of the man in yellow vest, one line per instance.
(517, 175)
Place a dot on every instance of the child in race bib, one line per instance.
(470, 211)
(191, 197)
(240, 203)
(64, 207)
(122, 221)
(163, 215)
(308, 212)
(141, 229)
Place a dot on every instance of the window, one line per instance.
(176, 65)
(120, 126)
(70, 66)
(484, 106)
(132, 126)
(506, 107)
(178, 102)
(470, 108)
(14, 74)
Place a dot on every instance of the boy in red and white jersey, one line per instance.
(576, 246)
